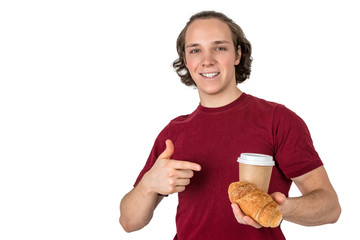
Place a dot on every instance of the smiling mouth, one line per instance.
(209, 75)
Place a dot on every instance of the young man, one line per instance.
(195, 155)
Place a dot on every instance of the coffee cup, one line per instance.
(256, 168)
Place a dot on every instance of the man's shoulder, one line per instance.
(261, 105)
(182, 119)
(261, 102)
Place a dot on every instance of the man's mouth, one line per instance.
(209, 75)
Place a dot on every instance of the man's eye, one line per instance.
(194, 51)
(220, 49)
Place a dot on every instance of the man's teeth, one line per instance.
(209, 75)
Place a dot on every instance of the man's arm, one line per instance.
(166, 176)
(318, 204)
(137, 208)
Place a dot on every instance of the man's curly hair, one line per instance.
(242, 71)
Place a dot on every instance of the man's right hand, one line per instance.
(169, 176)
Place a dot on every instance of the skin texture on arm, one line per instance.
(137, 208)
(318, 204)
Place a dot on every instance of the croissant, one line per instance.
(255, 203)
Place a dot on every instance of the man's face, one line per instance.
(210, 56)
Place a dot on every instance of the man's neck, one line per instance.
(219, 100)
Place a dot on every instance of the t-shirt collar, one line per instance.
(223, 108)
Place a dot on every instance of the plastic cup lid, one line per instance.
(256, 159)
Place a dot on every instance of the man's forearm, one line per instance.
(137, 207)
(315, 208)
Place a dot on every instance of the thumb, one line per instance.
(278, 197)
(168, 151)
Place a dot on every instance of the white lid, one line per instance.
(256, 159)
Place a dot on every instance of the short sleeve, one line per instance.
(158, 147)
(294, 150)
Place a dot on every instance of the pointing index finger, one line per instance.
(185, 165)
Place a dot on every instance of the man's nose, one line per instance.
(208, 59)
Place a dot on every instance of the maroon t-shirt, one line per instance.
(215, 138)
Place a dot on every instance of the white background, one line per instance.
(86, 86)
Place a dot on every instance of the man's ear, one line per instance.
(238, 56)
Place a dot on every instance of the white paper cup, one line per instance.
(256, 168)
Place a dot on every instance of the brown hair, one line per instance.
(242, 71)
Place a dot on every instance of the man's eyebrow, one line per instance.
(192, 45)
(221, 42)
(215, 43)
